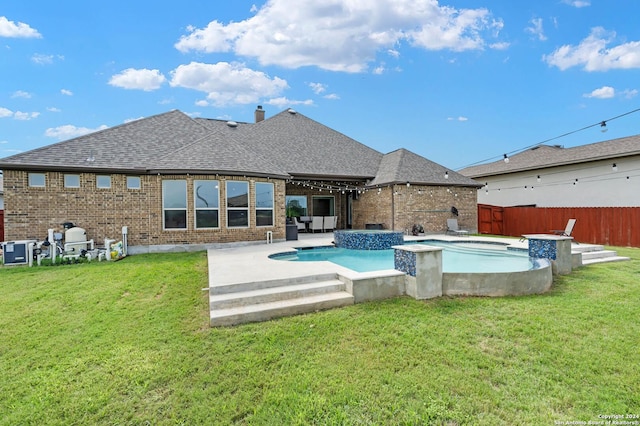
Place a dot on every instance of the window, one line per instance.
(133, 182)
(237, 204)
(264, 204)
(174, 204)
(296, 205)
(206, 197)
(103, 182)
(37, 179)
(72, 181)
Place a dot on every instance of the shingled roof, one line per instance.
(287, 145)
(544, 156)
(403, 166)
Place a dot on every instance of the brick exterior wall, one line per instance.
(30, 212)
(400, 207)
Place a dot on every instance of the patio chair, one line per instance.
(301, 225)
(329, 223)
(567, 230)
(453, 228)
(316, 224)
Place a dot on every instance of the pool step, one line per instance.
(601, 256)
(252, 304)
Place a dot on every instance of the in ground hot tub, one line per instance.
(367, 239)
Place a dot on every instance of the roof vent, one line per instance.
(291, 111)
(232, 123)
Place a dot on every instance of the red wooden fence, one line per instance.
(615, 226)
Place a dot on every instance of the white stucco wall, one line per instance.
(597, 185)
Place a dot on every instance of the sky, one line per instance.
(456, 81)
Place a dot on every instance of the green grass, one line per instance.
(129, 343)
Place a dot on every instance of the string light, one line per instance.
(602, 124)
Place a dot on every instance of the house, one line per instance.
(1, 208)
(539, 189)
(603, 174)
(177, 181)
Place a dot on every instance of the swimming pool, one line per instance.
(456, 257)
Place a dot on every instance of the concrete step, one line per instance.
(598, 254)
(273, 294)
(604, 260)
(282, 308)
(583, 248)
(257, 285)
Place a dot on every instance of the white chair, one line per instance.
(301, 226)
(316, 224)
(453, 228)
(329, 223)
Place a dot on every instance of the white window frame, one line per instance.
(259, 208)
(165, 209)
(232, 209)
(68, 184)
(33, 176)
(130, 179)
(196, 209)
(103, 186)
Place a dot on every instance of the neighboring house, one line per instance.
(178, 181)
(603, 174)
(539, 189)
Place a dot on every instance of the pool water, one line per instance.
(460, 258)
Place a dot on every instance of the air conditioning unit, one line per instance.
(17, 252)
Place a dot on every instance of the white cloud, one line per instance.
(283, 102)
(343, 36)
(18, 115)
(380, 69)
(605, 92)
(21, 94)
(17, 30)
(66, 92)
(461, 118)
(53, 109)
(202, 103)
(629, 93)
(500, 46)
(142, 79)
(318, 88)
(227, 83)
(24, 116)
(593, 55)
(42, 59)
(332, 97)
(2, 142)
(69, 131)
(577, 3)
(394, 53)
(536, 29)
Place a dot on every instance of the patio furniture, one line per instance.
(316, 224)
(567, 230)
(453, 228)
(329, 223)
(301, 225)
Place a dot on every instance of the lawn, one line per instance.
(129, 343)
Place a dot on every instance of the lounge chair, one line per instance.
(316, 224)
(567, 230)
(453, 228)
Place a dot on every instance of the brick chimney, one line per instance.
(259, 114)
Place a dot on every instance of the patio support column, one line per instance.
(556, 248)
(422, 265)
